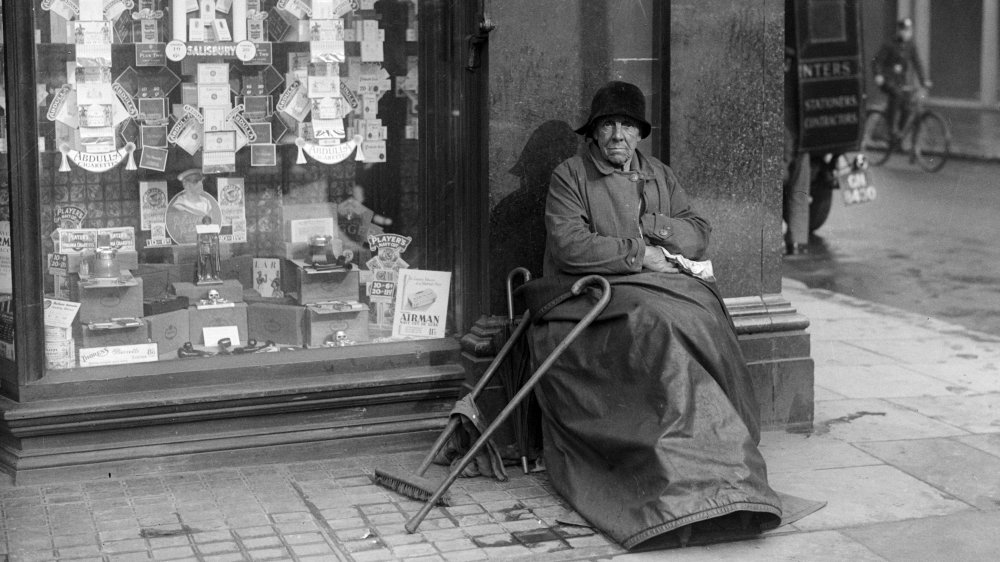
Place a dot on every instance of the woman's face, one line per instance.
(617, 137)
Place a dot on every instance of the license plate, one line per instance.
(854, 187)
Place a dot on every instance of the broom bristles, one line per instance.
(409, 485)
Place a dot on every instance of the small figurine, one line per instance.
(209, 260)
(214, 299)
(338, 339)
(188, 350)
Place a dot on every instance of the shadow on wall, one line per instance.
(517, 223)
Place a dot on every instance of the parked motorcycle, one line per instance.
(846, 172)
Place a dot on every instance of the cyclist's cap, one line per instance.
(905, 23)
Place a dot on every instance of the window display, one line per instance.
(231, 176)
(6, 259)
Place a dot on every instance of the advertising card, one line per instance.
(6, 267)
(153, 158)
(267, 276)
(263, 132)
(152, 110)
(326, 51)
(213, 95)
(118, 355)
(326, 30)
(232, 202)
(263, 155)
(154, 135)
(421, 309)
(218, 162)
(150, 54)
(60, 314)
(153, 203)
(220, 141)
(213, 73)
(256, 108)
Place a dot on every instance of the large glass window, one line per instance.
(6, 259)
(225, 177)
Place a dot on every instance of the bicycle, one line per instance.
(925, 134)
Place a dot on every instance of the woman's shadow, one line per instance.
(517, 222)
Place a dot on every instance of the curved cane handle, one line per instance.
(510, 292)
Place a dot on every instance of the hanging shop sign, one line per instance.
(329, 153)
(96, 162)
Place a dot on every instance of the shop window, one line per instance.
(222, 177)
(6, 259)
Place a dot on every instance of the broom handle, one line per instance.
(414, 522)
(453, 421)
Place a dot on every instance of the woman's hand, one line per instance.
(654, 260)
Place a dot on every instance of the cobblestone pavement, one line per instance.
(321, 510)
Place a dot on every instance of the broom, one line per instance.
(435, 498)
(415, 485)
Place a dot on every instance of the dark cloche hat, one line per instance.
(618, 98)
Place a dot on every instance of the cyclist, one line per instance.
(895, 64)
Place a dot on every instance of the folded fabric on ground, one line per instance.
(650, 424)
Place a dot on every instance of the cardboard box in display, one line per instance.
(229, 289)
(251, 296)
(102, 303)
(322, 286)
(279, 323)
(323, 328)
(302, 219)
(158, 277)
(169, 330)
(163, 305)
(235, 315)
(239, 268)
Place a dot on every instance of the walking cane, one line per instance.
(577, 289)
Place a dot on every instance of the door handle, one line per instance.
(477, 41)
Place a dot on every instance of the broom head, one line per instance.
(410, 485)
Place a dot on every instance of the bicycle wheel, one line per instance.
(876, 140)
(931, 141)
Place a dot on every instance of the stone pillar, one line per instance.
(725, 143)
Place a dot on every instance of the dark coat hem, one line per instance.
(756, 507)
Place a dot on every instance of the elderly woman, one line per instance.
(649, 420)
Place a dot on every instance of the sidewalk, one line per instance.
(906, 450)
(975, 133)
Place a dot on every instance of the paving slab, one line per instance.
(975, 377)
(989, 442)
(864, 495)
(864, 327)
(797, 452)
(968, 535)
(872, 419)
(932, 349)
(823, 393)
(838, 353)
(978, 413)
(967, 473)
(880, 381)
